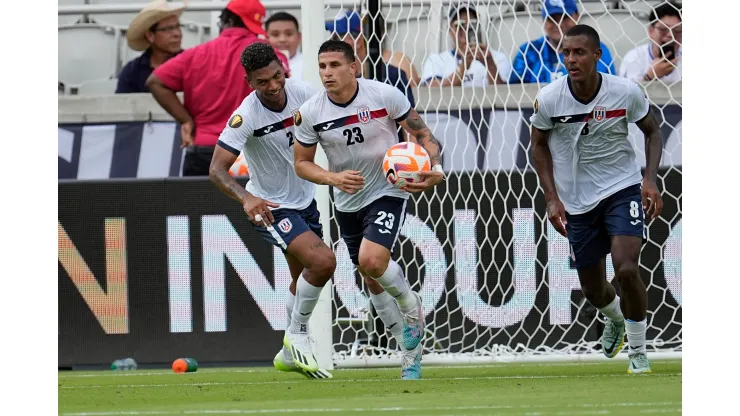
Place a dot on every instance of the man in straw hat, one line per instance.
(212, 79)
(156, 31)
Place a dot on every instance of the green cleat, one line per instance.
(639, 364)
(283, 362)
(612, 340)
(299, 345)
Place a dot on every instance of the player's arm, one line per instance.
(233, 138)
(304, 154)
(543, 165)
(651, 200)
(415, 126)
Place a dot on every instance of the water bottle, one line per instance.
(129, 364)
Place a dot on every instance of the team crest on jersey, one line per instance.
(236, 121)
(285, 225)
(599, 113)
(297, 119)
(536, 106)
(363, 113)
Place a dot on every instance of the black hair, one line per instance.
(587, 31)
(230, 19)
(257, 56)
(282, 17)
(338, 46)
(666, 9)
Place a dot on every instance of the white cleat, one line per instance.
(284, 362)
(299, 345)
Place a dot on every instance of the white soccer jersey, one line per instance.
(636, 64)
(355, 136)
(591, 151)
(267, 138)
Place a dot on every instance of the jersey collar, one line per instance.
(598, 90)
(357, 91)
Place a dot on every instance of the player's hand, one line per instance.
(652, 202)
(429, 180)
(348, 181)
(661, 67)
(556, 215)
(254, 206)
(187, 131)
(481, 53)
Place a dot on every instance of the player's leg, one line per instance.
(283, 361)
(319, 264)
(625, 222)
(386, 307)
(590, 244)
(382, 224)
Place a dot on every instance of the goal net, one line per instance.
(495, 278)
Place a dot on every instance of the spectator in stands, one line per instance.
(212, 79)
(540, 60)
(156, 31)
(660, 58)
(471, 62)
(399, 71)
(284, 34)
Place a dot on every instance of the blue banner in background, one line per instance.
(475, 139)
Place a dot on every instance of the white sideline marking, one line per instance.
(397, 409)
(271, 369)
(253, 383)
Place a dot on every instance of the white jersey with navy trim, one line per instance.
(355, 136)
(267, 138)
(592, 154)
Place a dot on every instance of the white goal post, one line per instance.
(495, 278)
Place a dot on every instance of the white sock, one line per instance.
(289, 303)
(389, 313)
(394, 282)
(613, 311)
(306, 296)
(636, 335)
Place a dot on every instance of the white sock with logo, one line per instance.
(306, 296)
(394, 282)
(636, 335)
(613, 311)
(389, 313)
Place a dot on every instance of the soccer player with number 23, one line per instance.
(595, 194)
(355, 122)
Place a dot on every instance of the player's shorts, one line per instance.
(590, 233)
(379, 222)
(290, 223)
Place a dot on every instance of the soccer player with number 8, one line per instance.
(589, 172)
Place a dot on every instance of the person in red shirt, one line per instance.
(212, 79)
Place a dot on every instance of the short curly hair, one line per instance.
(257, 56)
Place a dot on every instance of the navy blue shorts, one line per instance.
(590, 233)
(379, 222)
(290, 223)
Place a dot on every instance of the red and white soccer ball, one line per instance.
(403, 162)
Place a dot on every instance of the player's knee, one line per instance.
(627, 273)
(374, 266)
(323, 266)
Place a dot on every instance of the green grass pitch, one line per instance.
(505, 389)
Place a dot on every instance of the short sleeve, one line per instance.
(172, 72)
(235, 134)
(396, 103)
(304, 132)
(432, 69)
(638, 105)
(540, 119)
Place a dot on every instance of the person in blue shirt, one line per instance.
(397, 71)
(539, 60)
